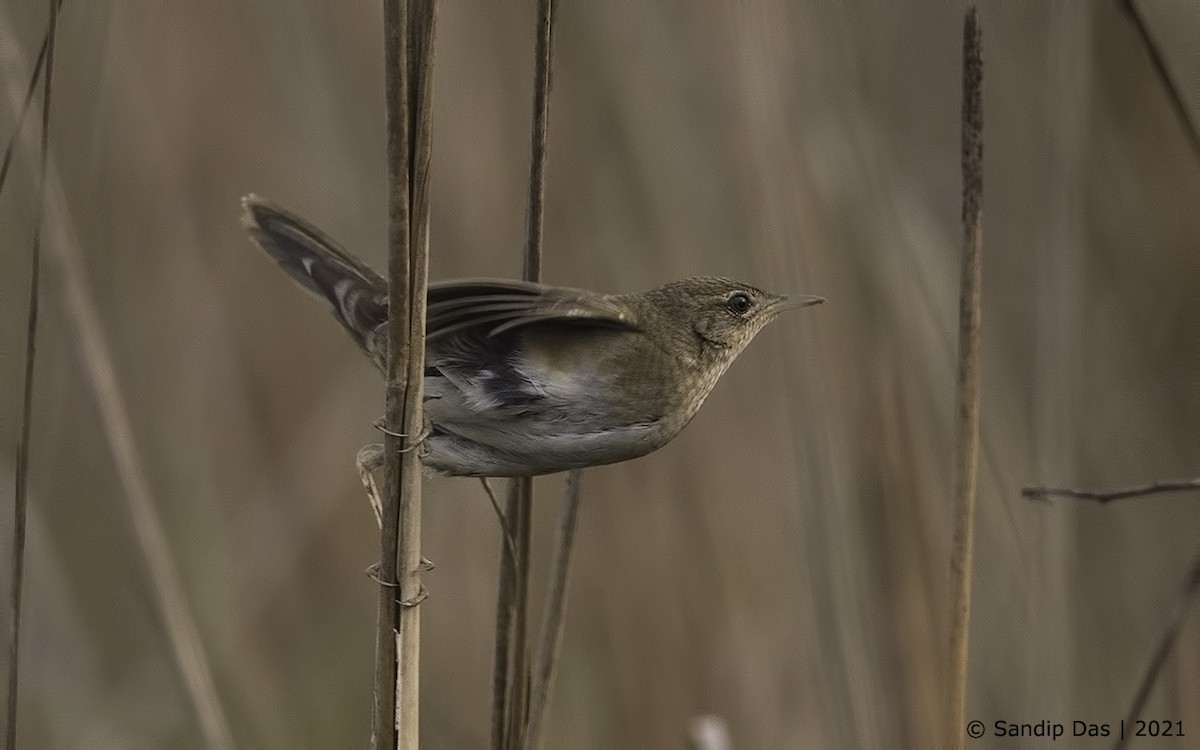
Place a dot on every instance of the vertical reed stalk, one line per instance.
(510, 711)
(967, 409)
(408, 60)
(554, 615)
(520, 513)
(505, 611)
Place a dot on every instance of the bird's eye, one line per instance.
(739, 303)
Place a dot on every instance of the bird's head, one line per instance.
(725, 314)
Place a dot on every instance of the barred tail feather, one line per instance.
(355, 293)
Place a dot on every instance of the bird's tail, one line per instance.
(356, 294)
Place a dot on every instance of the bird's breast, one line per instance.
(557, 401)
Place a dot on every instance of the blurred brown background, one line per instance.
(784, 563)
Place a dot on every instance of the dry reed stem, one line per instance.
(505, 606)
(554, 614)
(383, 734)
(421, 27)
(967, 410)
(510, 712)
(520, 511)
(21, 489)
(408, 62)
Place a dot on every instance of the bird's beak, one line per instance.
(800, 300)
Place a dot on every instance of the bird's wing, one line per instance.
(496, 306)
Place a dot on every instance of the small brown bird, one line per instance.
(523, 379)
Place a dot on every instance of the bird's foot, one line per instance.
(422, 594)
(370, 458)
(418, 443)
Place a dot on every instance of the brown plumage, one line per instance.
(527, 379)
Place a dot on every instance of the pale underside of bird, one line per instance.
(523, 379)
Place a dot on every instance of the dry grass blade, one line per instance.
(967, 410)
(20, 500)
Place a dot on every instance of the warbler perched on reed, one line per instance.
(523, 379)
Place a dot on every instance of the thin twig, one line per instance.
(408, 62)
(1045, 494)
(967, 422)
(1166, 644)
(20, 501)
(554, 615)
(1164, 75)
